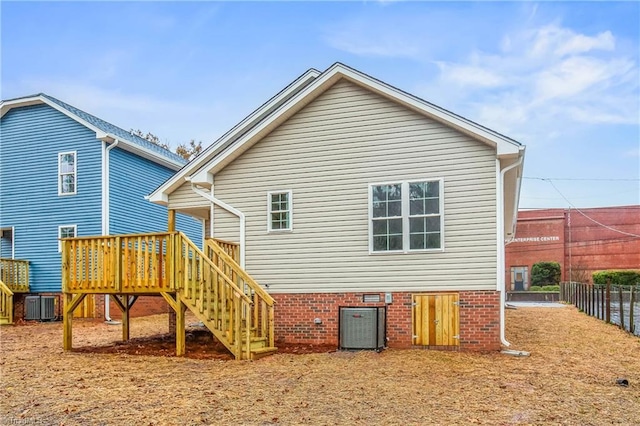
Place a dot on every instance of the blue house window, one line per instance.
(67, 175)
(66, 231)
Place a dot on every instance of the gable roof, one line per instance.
(104, 130)
(300, 93)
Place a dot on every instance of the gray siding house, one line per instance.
(343, 191)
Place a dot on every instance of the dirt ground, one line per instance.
(570, 378)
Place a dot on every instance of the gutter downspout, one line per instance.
(231, 210)
(105, 214)
(501, 244)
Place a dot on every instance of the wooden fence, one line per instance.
(614, 304)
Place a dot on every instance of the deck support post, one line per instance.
(180, 327)
(171, 222)
(71, 302)
(124, 303)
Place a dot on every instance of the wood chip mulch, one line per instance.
(570, 378)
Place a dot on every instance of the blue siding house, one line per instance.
(64, 173)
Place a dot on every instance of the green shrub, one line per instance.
(626, 277)
(545, 273)
(545, 288)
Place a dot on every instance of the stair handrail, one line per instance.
(240, 271)
(4, 289)
(212, 264)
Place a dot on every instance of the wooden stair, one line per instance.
(226, 299)
(209, 282)
(6, 304)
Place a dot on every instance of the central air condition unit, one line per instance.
(362, 328)
(40, 308)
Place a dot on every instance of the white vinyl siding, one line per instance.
(185, 198)
(330, 152)
(67, 173)
(280, 211)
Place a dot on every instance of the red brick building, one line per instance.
(581, 241)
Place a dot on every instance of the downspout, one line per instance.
(105, 211)
(500, 238)
(231, 210)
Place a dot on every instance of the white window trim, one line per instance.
(75, 174)
(405, 216)
(290, 197)
(75, 233)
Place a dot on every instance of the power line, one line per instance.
(583, 179)
(591, 219)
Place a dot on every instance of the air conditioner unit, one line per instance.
(32, 308)
(362, 328)
(40, 308)
(47, 308)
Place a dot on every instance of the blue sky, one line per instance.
(562, 78)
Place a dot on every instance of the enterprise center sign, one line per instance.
(536, 239)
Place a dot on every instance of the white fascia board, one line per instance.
(212, 151)
(201, 178)
(100, 134)
(6, 106)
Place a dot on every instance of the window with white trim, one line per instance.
(280, 211)
(406, 216)
(67, 173)
(66, 231)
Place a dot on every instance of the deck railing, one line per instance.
(15, 274)
(6, 304)
(232, 249)
(262, 309)
(217, 300)
(209, 282)
(134, 263)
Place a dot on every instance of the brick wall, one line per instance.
(19, 304)
(145, 305)
(583, 246)
(480, 320)
(295, 315)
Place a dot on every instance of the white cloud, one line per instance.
(173, 121)
(470, 75)
(535, 79)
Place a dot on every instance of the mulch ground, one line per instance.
(570, 378)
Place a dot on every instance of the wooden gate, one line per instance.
(436, 319)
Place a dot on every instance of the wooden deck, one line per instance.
(14, 274)
(210, 283)
(14, 278)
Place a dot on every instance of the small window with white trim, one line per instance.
(66, 231)
(406, 216)
(67, 173)
(280, 211)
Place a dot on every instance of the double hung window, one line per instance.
(406, 216)
(279, 211)
(67, 173)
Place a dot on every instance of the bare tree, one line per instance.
(187, 151)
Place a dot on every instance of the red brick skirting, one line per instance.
(295, 316)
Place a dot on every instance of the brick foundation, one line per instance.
(295, 315)
(145, 305)
(480, 320)
(19, 304)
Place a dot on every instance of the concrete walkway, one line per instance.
(536, 304)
